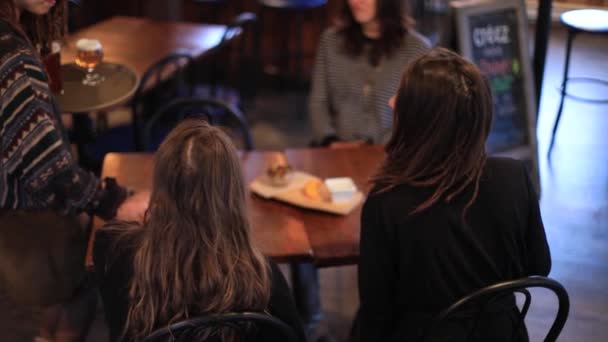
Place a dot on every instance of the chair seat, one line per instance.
(292, 4)
(222, 93)
(586, 20)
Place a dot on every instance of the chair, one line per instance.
(296, 9)
(592, 21)
(211, 62)
(75, 15)
(215, 112)
(247, 325)
(213, 6)
(235, 28)
(479, 302)
(156, 89)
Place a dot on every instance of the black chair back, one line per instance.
(75, 15)
(236, 27)
(157, 88)
(221, 59)
(247, 326)
(215, 112)
(482, 299)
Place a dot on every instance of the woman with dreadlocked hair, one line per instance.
(443, 219)
(40, 21)
(43, 192)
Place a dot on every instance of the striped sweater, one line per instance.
(349, 97)
(37, 169)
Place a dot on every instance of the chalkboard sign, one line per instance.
(493, 34)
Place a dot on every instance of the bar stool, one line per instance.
(295, 7)
(593, 21)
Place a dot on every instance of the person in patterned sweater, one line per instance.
(38, 173)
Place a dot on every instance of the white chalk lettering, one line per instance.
(491, 35)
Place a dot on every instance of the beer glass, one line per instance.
(52, 64)
(89, 54)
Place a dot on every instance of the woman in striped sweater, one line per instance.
(358, 65)
(42, 188)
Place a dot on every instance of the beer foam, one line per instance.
(55, 47)
(85, 44)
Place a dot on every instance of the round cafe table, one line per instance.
(117, 88)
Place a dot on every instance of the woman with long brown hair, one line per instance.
(357, 70)
(193, 253)
(43, 191)
(443, 218)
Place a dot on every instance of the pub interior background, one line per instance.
(574, 187)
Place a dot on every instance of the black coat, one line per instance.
(413, 266)
(113, 268)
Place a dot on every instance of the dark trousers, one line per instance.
(307, 294)
(42, 255)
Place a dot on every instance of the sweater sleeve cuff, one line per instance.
(107, 199)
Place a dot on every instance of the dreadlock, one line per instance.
(439, 133)
(41, 31)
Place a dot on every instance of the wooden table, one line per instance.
(283, 232)
(275, 228)
(140, 42)
(335, 239)
(137, 43)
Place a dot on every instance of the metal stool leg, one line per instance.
(299, 42)
(257, 55)
(136, 126)
(571, 35)
(258, 43)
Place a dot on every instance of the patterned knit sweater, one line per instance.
(37, 169)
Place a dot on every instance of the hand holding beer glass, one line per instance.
(89, 54)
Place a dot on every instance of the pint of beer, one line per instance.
(89, 53)
(52, 64)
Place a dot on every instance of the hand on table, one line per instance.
(134, 207)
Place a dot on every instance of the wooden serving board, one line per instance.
(293, 194)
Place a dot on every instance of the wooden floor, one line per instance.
(574, 205)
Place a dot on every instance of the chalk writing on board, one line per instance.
(495, 47)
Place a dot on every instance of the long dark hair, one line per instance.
(41, 31)
(194, 254)
(394, 19)
(442, 118)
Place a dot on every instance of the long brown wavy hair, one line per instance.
(193, 253)
(442, 118)
(41, 31)
(394, 19)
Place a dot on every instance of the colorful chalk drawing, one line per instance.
(496, 51)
